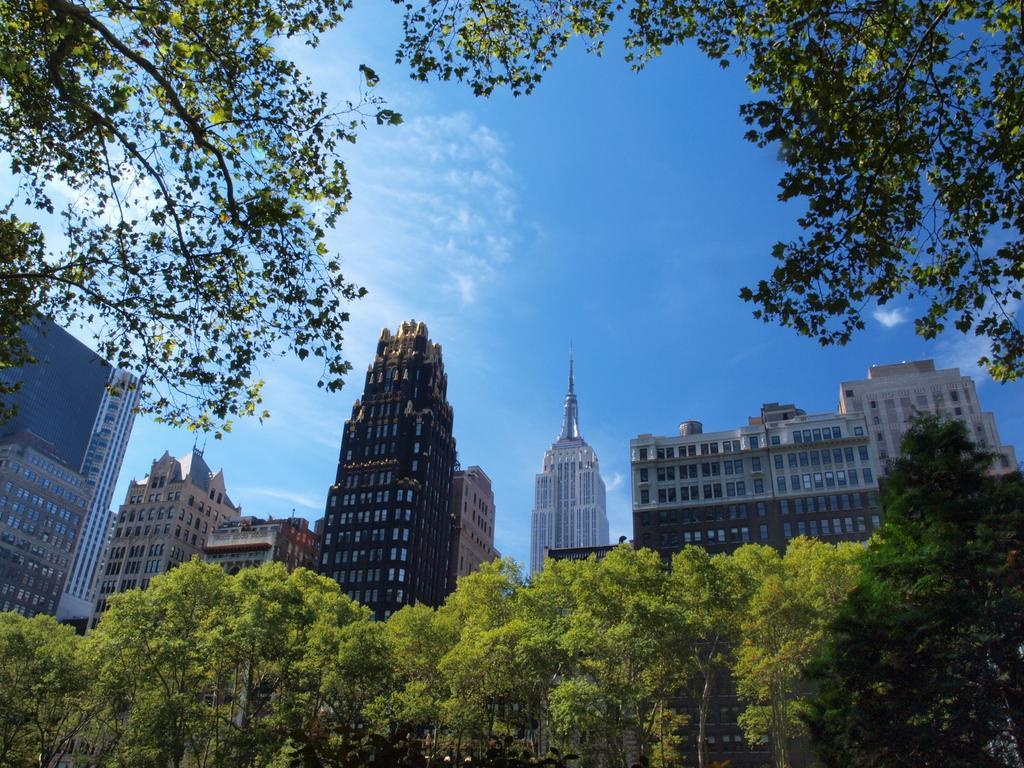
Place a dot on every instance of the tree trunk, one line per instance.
(702, 717)
(779, 729)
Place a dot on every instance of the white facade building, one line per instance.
(892, 395)
(101, 467)
(786, 473)
(569, 501)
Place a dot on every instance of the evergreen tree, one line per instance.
(926, 662)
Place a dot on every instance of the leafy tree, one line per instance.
(194, 170)
(786, 623)
(206, 669)
(418, 637)
(899, 126)
(485, 675)
(546, 606)
(44, 685)
(18, 241)
(925, 665)
(630, 643)
(714, 592)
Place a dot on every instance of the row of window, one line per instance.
(142, 515)
(698, 514)
(823, 457)
(812, 458)
(804, 482)
(814, 434)
(39, 501)
(22, 518)
(155, 530)
(832, 503)
(818, 480)
(702, 449)
(370, 575)
(54, 469)
(796, 506)
(367, 515)
(707, 469)
(369, 597)
(377, 534)
(46, 555)
(837, 526)
(366, 555)
(730, 489)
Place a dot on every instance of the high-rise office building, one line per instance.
(569, 497)
(42, 505)
(472, 507)
(60, 393)
(101, 468)
(786, 473)
(387, 533)
(165, 520)
(892, 395)
(84, 408)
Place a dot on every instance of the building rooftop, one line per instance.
(899, 369)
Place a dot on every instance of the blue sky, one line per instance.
(620, 211)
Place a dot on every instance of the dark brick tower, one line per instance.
(387, 534)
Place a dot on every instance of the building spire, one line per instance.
(572, 389)
(570, 415)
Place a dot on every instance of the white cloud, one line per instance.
(434, 205)
(298, 498)
(614, 482)
(963, 350)
(890, 318)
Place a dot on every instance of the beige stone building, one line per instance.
(472, 506)
(892, 395)
(165, 520)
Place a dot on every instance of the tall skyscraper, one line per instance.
(101, 467)
(892, 395)
(387, 533)
(472, 507)
(74, 400)
(60, 393)
(165, 520)
(569, 499)
(42, 505)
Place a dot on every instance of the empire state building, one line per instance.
(569, 502)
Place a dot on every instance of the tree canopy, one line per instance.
(183, 172)
(924, 665)
(898, 125)
(266, 668)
